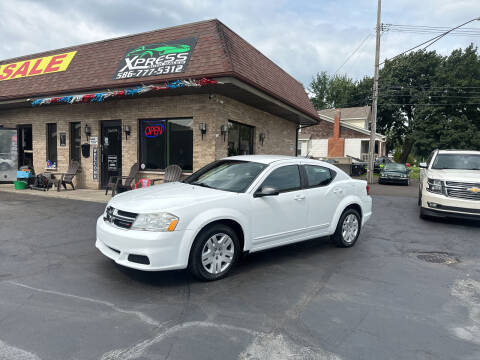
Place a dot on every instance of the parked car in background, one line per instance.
(234, 205)
(450, 184)
(393, 173)
(380, 163)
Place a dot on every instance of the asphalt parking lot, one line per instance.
(409, 289)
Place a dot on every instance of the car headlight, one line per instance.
(434, 186)
(403, 175)
(155, 222)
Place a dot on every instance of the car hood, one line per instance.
(166, 197)
(455, 175)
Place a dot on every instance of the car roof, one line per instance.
(264, 159)
(451, 151)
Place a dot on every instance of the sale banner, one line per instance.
(39, 66)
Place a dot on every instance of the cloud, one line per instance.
(303, 37)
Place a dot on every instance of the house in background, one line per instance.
(348, 137)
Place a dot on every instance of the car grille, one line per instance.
(119, 218)
(462, 190)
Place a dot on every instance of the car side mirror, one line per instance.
(266, 191)
(422, 165)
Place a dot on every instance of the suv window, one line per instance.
(318, 175)
(283, 179)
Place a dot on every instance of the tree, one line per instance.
(401, 87)
(426, 101)
(339, 91)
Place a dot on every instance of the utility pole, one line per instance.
(373, 127)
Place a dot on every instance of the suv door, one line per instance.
(323, 197)
(279, 218)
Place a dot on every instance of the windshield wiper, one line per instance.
(203, 185)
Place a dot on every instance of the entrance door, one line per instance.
(25, 145)
(111, 147)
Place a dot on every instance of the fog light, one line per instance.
(432, 205)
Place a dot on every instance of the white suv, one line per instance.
(450, 184)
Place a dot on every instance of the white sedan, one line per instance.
(235, 205)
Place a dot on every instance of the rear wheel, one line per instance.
(214, 253)
(348, 229)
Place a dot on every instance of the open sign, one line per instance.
(154, 130)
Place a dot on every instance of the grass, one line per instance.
(414, 172)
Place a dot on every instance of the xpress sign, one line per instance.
(156, 59)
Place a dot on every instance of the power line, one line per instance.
(421, 29)
(353, 53)
(428, 104)
(430, 41)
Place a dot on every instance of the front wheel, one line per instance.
(348, 229)
(214, 253)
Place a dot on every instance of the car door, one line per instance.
(281, 218)
(322, 197)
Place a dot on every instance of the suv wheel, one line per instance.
(348, 229)
(214, 253)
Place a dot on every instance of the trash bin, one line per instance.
(20, 185)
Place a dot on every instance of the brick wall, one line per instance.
(324, 130)
(279, 133)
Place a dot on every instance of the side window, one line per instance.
(318, 175)
(283, 179)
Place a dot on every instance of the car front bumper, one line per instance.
(443, 206)
(164, 250)
(393, 180)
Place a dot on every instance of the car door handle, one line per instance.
(299, 197)
(337, 191)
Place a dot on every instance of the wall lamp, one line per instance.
(126, 129)
(203, 128)
(261, 137)
(88, 131)
(223, 130)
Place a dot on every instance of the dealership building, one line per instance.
(185, 95)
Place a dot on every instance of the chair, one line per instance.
(122, 183)
(67, 178)
(172, 173)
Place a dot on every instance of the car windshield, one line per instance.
(394, 167)
(457, 161)
(228, 175)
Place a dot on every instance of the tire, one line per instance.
(347, 238)
(422, 214)
(380, 182)
(225, 245)
(419, 198)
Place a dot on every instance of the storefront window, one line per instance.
(75, 141)
(240, 139)
(166, 142)
(51, 146)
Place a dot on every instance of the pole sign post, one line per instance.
(170, 57)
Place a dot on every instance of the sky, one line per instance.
(302, 37)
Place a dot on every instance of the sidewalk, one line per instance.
(78, 194)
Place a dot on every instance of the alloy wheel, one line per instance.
(350, 228)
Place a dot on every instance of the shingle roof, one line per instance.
(361, 112)
(218, 52)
